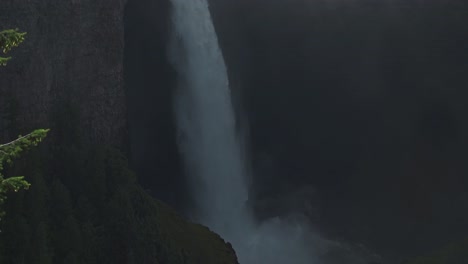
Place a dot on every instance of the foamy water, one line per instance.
(213, 152)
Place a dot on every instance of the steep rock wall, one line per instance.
(73, 54)
(149, 81)
(69, 75)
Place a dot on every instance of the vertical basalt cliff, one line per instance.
(73, 54)
(149, 82)
(85, 204)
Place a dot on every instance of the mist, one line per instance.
(354, 111)
(213, 152)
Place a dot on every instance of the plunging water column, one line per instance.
(212, 151)
(206, 119)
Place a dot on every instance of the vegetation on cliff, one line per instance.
(10, 151)
(9, 39)
(84, 204)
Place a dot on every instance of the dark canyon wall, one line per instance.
(85, 204)
(361, 102)
(73, 54)
(365, 102)
(149, 83)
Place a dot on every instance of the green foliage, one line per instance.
(85, 206)
(114, 222)
(13, 149)
(9, 39)
(10, 151)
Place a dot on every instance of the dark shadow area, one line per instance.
(149, 80)
(356, 113)
(364, 101)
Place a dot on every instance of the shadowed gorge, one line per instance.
(334, 130)
(355, 115)
(214, 154)
(84, 204)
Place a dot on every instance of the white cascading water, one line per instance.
(212, 151)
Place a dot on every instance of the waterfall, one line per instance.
(211, 149)
(205, 117)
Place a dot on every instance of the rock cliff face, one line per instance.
(73, 54)
(149, 83)
(69, 75)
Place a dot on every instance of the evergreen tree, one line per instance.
(12, 150)
(85, 205)
(9, 39)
